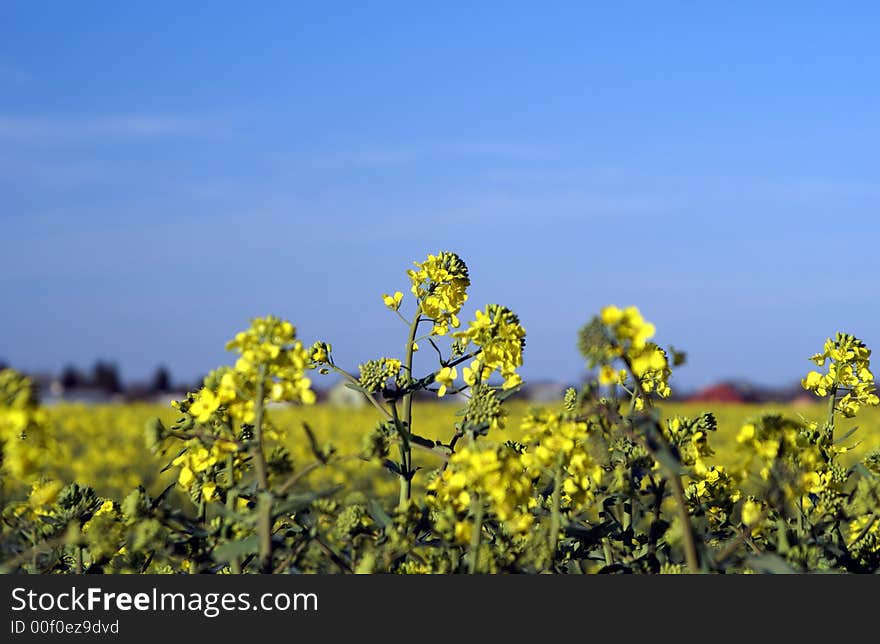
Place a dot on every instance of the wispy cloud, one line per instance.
(66, 129)
(410, 154)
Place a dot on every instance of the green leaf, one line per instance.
(171, 462)
(313, 443)
(421, 440)
(232, 549)
(657, 529)
(590, 536)
(480, 428)
(392, 467)
(770, 563)
(668, 460)
(379, 515)
(861, 470)
(296, 502)
(243, 517)
(162, 495)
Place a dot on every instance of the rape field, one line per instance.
(104, 445)
(248, 475)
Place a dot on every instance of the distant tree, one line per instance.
(71, 377)
(105, 376)
(197, 383)
(3, 365)
(161, 380)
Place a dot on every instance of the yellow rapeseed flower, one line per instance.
(393, 301)
(446, 377)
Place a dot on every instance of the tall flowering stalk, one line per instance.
(229, 414)
(492, 344)
(622, 336)
(849, 373)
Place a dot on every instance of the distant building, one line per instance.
(723, 393)
(86, 396)
(341, 396)
(165, 399)
(542, 392)
(744, 392)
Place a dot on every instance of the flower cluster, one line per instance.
(271, 360)
(788, 455)
(714, 491)
(24, 428)
(199, 460)
(270, 368)
(440, 285)
(751, 512)
(864, 535)
(320, 353)
(690, 437)
(631, 334)
(484, 474)
(624, 335)
(864, 527)
(651, 367)
(270, 344)
(393, 301)
(627, 326)
(484, 411)
(710, 480)
(375, 373)
(556, 441)
(849, 370)
(496, 331)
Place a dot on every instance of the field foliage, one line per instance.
(248, 474)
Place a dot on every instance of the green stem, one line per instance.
(474, 553)
(406, 450)
(633, 507)
(405, 458)
(673, 477)
(264, 530)
(231, 499)
(633, 397)
(264, 503)
(742, 537)
(606, 550)
(410, 343)
(832, 400)
(690, 545)
(555, 515)
(802, 518)
(370, 397)
(257, 445)
(659, 490)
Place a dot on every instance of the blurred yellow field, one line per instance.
(104, 445)
(447, 471)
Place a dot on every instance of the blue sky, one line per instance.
(168, 172)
